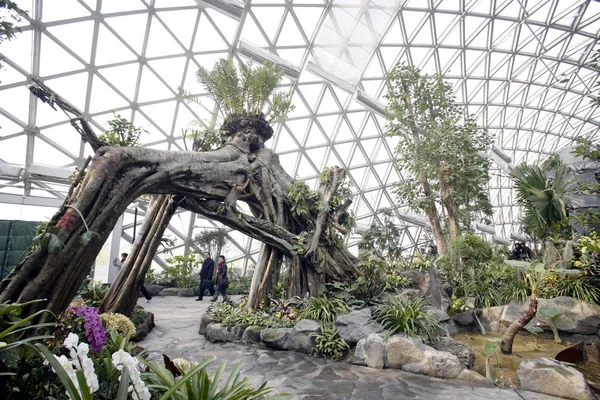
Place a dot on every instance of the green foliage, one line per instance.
(457, 306)
(8, 28)
(246, 91)
(303, 201)
(179, 271)
(438, 145)
(595, 63)
(212, 241)
(550, 316)
(238, 284)
(138, 317)
(544, 200)
(534, 331)
(329, 343)
(47, 239)
(230, 314)
(384, 238)
(323, 309)
(400, 314)
(121, 133)
(198, 383)
(93, 293)
(588, 150)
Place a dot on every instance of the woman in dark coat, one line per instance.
(222, 280)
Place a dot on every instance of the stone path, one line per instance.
(299, 375)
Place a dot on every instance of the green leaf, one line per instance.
(54, 244)
(87, 237)
(124, 385)
(60, 371)
(534, 329)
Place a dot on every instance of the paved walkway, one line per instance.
(299, 375)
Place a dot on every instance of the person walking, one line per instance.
(222, 280)
(206, 277)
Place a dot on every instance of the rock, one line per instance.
(472, 376)
(578, 317)
(276, 338)
(154, 290)
(401, 350)
(375, 351)
(547, 376)
(186, 292)
(356, 325)
(144, 328)
(464, 318)
(170, 291)
(438, 364)
(490, 319)
(205, 320)
(464, 352)
(440, 315)
(219, 333)
(411, 293)
(420, 279)
(449, 328)
(252, 335)
(300, 339)
(360, 355)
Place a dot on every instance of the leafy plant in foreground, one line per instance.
(329, 343)
(323, 309)
(401, 314)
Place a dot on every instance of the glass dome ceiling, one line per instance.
(520, 66)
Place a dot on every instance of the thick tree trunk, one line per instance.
(515, 327)
(124, 291)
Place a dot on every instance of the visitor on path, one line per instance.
(206, 277)
(120, 263)
(222, 280)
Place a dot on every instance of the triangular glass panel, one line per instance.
(49, 155)
(429, 66)
(328, 123)
(104, 98)
(65, 136)
(357, 119)
(161, 115)
(412, 21)
(328, 103)
(344, 150)
(181, 23)
(51, 53)
(252, 34)
(226, 25)
(358, 175)
(394, 34)
(288, 162)
(374, 69)
(9, 127)
(372, 197)
(316, 137)
(508, 8)
(423, 37)
(344, 133)
(540, 14)
(358, 158)
(161, 42)
(300, 109)
(446, 57)
(18, 149)
(480, 38)
(186, 120)
(285, 141)
(392, 56)
(171, 70)
(111, 6)
(123, 77)
(269, 19)
(370, 129)
(68, 9)
(153, 135)
(382, 170)
(208, 37)
(309, 18)
(504, 32)
(298, 129)
(419, 55)
(311, 94)
(443, 24)
(333, 160)
(305, 168)
(475, 63)
(151, 88)
(131, 28)
(13, 50)
(372, 181)
(76, 36)
(70, 88)
(294, 56)
(317, 156)
(369, 146)
(452, 37)
(110, 49)
(452, 5)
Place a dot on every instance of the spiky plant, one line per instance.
(246, 91)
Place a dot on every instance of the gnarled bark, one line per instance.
(209, 183)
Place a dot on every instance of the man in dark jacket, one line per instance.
(206, 276)
(222, 280)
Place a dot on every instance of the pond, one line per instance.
(504, 368)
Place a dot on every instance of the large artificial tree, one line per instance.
(440, 153)
(304, 227)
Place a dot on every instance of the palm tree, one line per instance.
(544, 200)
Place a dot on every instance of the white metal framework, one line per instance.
(521, 66)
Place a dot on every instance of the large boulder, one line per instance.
(356, 325)
(205, 320)
(219, 333)
(438, 364)
(170, 291)
(300, 336)
(252, 335)
(276, 338)
(154, 290)
(401, 350)
(464, 352)
(186, 292)
(578, 317)
(374, 348)
(544, 375)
